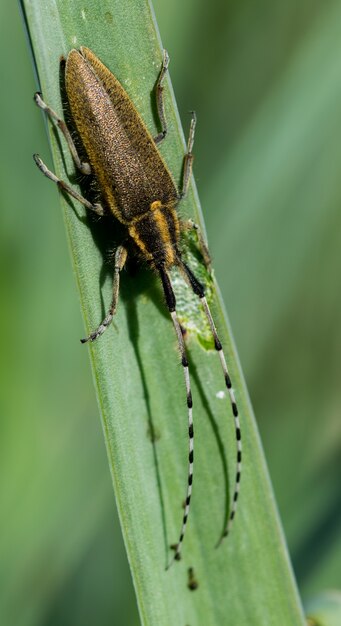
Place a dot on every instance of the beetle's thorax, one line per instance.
(156, 234)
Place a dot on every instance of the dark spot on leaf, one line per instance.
(192, 583)
(153, 434)
(108, 17)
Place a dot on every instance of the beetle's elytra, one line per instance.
(137, 189)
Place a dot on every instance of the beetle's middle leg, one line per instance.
(120, 260)
(82, 166)
(97, 208)
(190, 225)
(188, 158)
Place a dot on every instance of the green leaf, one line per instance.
(139, 381)
(324, 609)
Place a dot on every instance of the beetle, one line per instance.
(138, 190)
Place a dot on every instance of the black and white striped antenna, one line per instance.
(171, 304)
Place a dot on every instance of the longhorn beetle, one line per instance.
(139, 191)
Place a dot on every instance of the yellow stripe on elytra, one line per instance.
(111, 202)
(155, 206)
(134, 234)
(165, 235)
(160, 222)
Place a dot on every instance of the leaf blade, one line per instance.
(125, 370)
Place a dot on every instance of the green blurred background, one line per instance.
(265, 80)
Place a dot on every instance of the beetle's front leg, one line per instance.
(190, 225)
(120, 260)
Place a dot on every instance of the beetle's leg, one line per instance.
(97, 208)
(187, 171)
(159, 98)
(120, 260)
(83, 167)
(190, 225)
(188, 159)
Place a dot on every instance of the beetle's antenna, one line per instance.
(198, 289)
(171, 304)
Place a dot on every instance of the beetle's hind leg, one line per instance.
(120, 260)
(159, 98)
(97, 208)
(82, 166)
(188, 159)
